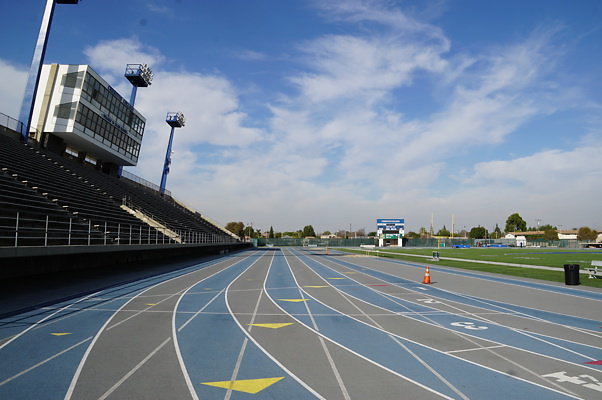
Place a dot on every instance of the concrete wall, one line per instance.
(29, 261)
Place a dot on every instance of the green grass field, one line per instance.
(530, 256)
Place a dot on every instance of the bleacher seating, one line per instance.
(50, 192)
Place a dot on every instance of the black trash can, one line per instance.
(571, 274)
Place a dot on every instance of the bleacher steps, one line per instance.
(153, 223)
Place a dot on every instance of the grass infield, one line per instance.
(528, 256)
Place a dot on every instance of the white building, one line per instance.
(80, 114)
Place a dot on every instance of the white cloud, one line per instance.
(12, 87)
(111, 56)
(340, 150)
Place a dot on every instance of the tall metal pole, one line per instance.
(133, 95)
(175, 120)
(167, 162)
(35, 69)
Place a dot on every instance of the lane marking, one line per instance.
(316, 286)
(475, 349)
(260, 347)
(252, 386)
(45, 361)
(244, 344)
(294, 300)
(392, 337)
(333, 365)
(60, 333)
(36, 324)
(362, 356)
(174, 335)
(80, 367)
(133, 370)
(273, 325)
(468, 338)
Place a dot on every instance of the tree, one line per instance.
(371, 234)
(585, 233)
(515, 223)
(308, 230)
(326, 233)
(236, 228)
(550, 233)
(412, 235)
(497, 232)
(271, 234)
(547, 227)
(478, 232)
(443, 232)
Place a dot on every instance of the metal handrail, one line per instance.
(25, 231)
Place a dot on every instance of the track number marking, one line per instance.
(587, 381)
(469, 325)
(429, 301)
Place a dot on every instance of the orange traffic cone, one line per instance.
(427, 276)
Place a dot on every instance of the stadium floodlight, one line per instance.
(139, 75)
(175, 120)
(35, 69)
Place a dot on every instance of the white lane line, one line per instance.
(244, 343)
(509, 312)
(358, 354)
(467, 337)
(133, 370)
(474, 349)
(395, 339)
(102, 328)
(270, 356)
(44, 319)
(45, 361)
(331, 362)
(443, 270)
(174, 331)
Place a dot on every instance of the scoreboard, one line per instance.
(390, 228)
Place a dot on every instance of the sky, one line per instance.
(336, 113)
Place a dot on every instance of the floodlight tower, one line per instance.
(139, 75)
(175, 120)
(35, 69)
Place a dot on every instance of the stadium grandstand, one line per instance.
(63, 194)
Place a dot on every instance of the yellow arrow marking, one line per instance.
(336, 278)
(60, 333)
(293, 300)
(252, 386)
(273, 326)
(319, 286)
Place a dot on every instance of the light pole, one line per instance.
(175, 120)
(139, 75)
(35, 69)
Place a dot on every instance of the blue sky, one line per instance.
(333, 113)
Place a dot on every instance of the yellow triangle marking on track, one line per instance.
(317, 286)
(252, 386)
(294, 300)
(273, 325)
(60, 333)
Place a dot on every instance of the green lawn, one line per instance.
(530, 256)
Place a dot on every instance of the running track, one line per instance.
(297, 324)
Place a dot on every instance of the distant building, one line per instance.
(79, 114)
